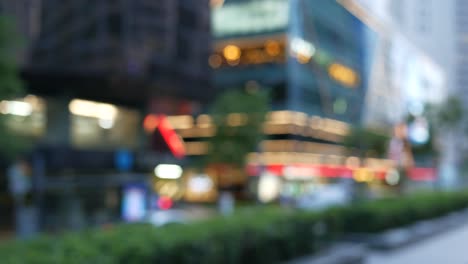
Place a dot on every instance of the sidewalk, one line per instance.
(450, 247)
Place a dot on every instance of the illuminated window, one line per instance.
(254, 53)
(99, 125)
(25, 116)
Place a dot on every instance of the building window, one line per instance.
(99, 125)
(25, 116)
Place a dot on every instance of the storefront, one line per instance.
(294, 182)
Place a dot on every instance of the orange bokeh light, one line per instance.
(150, 123)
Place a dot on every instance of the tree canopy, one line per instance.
(367, 141)
(447, 114)
(10, 84)
(238, 116)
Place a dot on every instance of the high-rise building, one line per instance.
(132, 49)
(434, 31)
(25, 16)
(95, 68)
(402, 67)
(309, 53)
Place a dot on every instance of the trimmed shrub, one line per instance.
(269, 235)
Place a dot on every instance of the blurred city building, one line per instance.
(309, 53)
(123, 51)
(95, 69)
(313, 57)
(25, 16)
(327, 69)
(428, 37)
(105, 72)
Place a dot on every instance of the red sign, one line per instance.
(422, 174)
(305, 170)
(311, 170)
(174, 142)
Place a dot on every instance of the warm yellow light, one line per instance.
(316, 123)
(232, 53)
(93, 109)
(300, 119)
(168, 188)
(353, 162)
(280, 117)
(272, 48)
(181, 122)
(276, 129)
(215, 61)
(302, 59)
(363, 175)
(207, 132)
(204, 121)
(196, 148)
(343, 74)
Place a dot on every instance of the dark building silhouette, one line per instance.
(122, 51)
(96, 67)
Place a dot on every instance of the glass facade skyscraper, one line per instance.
(309, 53)
(326, 62)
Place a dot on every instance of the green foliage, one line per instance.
(231, 144)
(448, 114)
(268, 235)
(10, 84)
(367, 141)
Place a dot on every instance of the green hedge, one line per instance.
(262, 236)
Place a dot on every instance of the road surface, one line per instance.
(446, 248)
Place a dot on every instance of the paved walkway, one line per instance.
(447, 248)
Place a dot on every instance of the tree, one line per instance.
(448, 119)
(10, 85)
(238, 117)
(369, 142)
(446, 115)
